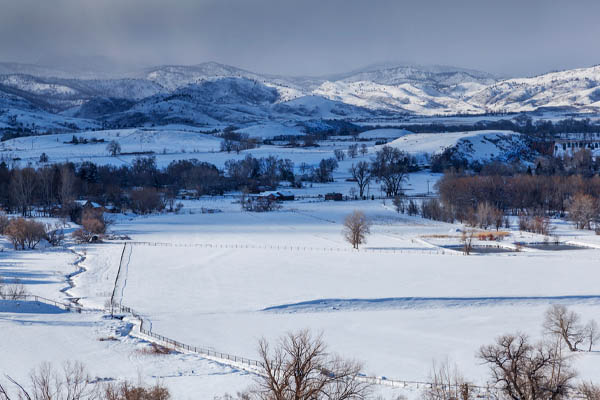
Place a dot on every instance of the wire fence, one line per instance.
(146, 329)
(39, 299)
(298, 248)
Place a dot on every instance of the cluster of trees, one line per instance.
(27, 233)
(389, 166)
(93, 225)
(142, 186)
(73, 382)
(351, 152)
(483, 199)
(84, 140)
(237, 141)
(580, 162)
(523, 124)
(523, 370)
(12, 291)
(255, 173)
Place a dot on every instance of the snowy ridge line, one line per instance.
(299, 248)
(328, 305)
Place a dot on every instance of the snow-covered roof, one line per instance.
(83, 203)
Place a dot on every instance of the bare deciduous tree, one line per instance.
(352, 151)
(14, 291)
(566, 324)
(364, 150)
(22, 189)
(361, 172)
(113, 148)
(391, 167)
(67, 187)
(25, 233)
(589, 391)
(591, 333)
(399, 204)
(446, 382)
(74, 383)
(524, 371)
(339, 154)
(466, 239)
(300, 368)
(356, 228)
(583, 210)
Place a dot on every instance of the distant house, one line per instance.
(277, 196)
(286, 196)
(334, 196)
(89, 205)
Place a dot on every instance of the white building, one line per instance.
(569, 143)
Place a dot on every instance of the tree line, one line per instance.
(142, 186)
(466, 197)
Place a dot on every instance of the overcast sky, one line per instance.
(307, 37)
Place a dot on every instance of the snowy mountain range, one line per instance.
(212, 94)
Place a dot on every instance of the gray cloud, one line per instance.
(307, 36)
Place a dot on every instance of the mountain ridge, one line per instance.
(214, 93)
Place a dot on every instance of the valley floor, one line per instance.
(226, 279)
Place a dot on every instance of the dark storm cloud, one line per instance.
(307, 36)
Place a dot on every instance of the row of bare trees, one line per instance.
(484, 200)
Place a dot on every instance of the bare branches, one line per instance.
(300, 368)
(74, 383)
(565, 324)
(446, 383)
(356, 228)
(361, 173)
(525, 371)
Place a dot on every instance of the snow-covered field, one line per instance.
(174, 143)
(224, 280)
(394, 306)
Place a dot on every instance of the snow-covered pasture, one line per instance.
(108, 353)
(32, 333)
(181, 142)
(167, 145)
(395, 306)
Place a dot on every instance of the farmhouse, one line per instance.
(89, 205)
(277, 196)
